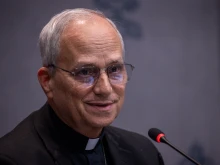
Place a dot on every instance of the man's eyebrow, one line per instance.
(116, 62)
(80, 64)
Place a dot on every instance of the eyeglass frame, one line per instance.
(101, 70)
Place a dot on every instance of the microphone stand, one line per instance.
(164, 140)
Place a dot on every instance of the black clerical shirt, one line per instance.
(74, 144)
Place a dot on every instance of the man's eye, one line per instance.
(85, 72)
(115, 69)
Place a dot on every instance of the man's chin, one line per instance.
(101, 123)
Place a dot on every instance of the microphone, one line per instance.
(158, 136)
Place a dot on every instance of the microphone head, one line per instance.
(156, 134)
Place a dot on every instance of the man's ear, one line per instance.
(44, 79)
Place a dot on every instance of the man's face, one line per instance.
(84, 108)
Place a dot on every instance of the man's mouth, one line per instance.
(101, 105)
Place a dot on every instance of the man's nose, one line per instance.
(103, 86)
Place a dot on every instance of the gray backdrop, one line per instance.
(174, 46)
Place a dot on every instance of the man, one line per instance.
(84, 77)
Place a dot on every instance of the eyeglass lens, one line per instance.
(117, 74)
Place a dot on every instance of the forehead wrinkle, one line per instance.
(82, 44)
(87, 59)
(97, 45)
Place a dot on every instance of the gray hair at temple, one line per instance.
(49, 40)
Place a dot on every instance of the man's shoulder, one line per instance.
(128, 136)
(23, 134)
(123, 132)
(23, 145)
(142, 148)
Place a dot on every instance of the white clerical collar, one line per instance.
(91, 144)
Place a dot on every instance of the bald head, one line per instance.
(88, 35)
(70, 23)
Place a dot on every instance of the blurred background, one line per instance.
(174, 46)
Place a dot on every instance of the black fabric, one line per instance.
(96, 156)
(43, 139)
(75, 142)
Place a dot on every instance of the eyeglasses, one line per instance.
(88, 75)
